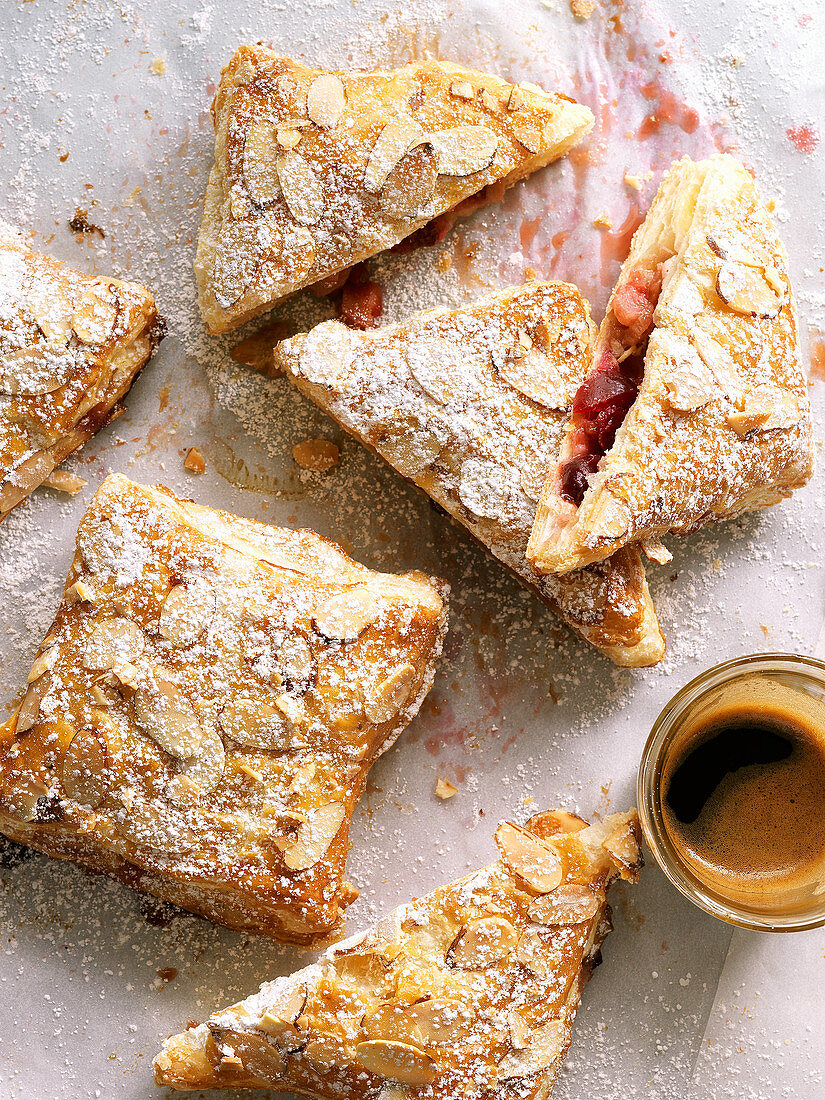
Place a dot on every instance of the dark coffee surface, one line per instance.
(744, 797)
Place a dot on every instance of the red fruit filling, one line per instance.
(362, 300)
(603, 399)
(435, 231)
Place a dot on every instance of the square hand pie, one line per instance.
(697, 407)
(470, 991)
(201, 716)
(470, 405)
(70, 348)
(315, 171)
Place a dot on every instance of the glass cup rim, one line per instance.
(647, 788)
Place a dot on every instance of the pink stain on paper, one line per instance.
(804, 138)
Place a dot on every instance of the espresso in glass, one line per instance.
(733, 780)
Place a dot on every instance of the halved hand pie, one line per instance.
(470, 991)
(316, 171)
(697, 406)
(470, 405)
(202, 714)
(70, 347)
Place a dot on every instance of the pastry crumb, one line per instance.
(604, 221)
(637, 182)
(582, 9)
(444, 789)
(65, 482)
(158, 66)
(194, 462)
(318, 455)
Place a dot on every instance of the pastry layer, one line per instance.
(703, 317)
(70, 348)
(469, 405)
(316, 171)
(201, 716)
(470, 991)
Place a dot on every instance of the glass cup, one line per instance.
(795, 677)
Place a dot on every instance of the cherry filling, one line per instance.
(436, 230)
(603, 399)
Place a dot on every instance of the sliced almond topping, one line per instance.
(482, 942)
(394, 141)
(237, 259)
(65, 482)
(84, 768)
(444, 789)
(765, 409)
(112, 642)
(544, 1049)
(206, 769)
(259, 1055)
(568, 904)
(533, 861)
(411, 183)
(285, 1009)
(551, 822)
(260, 163)
(463, 89)
(296, 664)
(347, 614)
(302, 191)
(34, 370)
(414, 452)
(96, 313)
(623, 845)
(253, 722)
(326, 100)
(403, 1062)
(427, 1021)
(463, 150)
(519, 1029)
(165, 714)
(315, 836)
(655, 550)
(325, 1052)
(747, 290)
(187, 611)
(689, 382)
(516, 99)
(29, 710)
(51, 306)
(44, 663)
(391, 694)
(490, 99)
(289, 138)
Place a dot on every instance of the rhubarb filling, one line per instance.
(604, 398)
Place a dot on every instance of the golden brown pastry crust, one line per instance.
(70, 348)
(202, 715)
(721, 423)
(315, 171)
(470, 991)
(468, 405)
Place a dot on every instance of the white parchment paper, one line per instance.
(105, 108)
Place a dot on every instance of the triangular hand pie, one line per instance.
(203, 712)
(470, 991)
(70, 347)
(697, 407)
(469, 405)
(316, 171)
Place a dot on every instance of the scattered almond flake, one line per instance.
(65, 482)
(158, 66)
(603, 221)
(318, 455)
(583, 9)
(194, 462)
(444, 789)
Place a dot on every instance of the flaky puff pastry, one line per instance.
(315, 171)
(721, 423)
(470, 991)
(70, 347)
(469, 405)
(202, 715)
